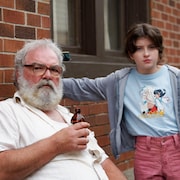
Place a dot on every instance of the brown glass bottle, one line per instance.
(77, 117)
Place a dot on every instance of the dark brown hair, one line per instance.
(147, 31)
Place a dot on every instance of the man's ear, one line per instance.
(16, 76)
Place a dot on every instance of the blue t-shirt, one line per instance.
(149, 109)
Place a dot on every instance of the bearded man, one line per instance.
(37, 138)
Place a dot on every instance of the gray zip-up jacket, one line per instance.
(111, 88)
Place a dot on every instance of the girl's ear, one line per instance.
(130, 56)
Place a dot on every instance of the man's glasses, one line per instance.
(40, 69)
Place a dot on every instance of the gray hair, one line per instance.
(31, 45)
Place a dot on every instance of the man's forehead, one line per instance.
(43, 55)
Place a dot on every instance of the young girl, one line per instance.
(135, 119)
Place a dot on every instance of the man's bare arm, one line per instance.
(112, 170)
(20, 163)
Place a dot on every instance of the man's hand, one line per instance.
(72, 138)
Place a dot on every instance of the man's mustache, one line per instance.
(46, 83)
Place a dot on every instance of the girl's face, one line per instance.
(146, 56)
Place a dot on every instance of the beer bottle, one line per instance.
(77, 117)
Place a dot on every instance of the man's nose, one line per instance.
(47, 74)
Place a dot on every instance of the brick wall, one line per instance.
(30, 19)
(19, 21)
(165, 14)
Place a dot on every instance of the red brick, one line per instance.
(172, 19)
(176, 43)
(171, 3)
(6, 60)
(0, 14)
(164, 16)
(25, 32)
(14, 16)
(1, 45)
(98, 108)
(6, 90)
(44, 8)
(1, 76)
(168, 42)
(26, 5)
(98, 119)
(127, 155)
(69, 102)
(168, 10)
(12, 45)
(176, 13)
(6, 30)
(101, 130)
(160, 7)
(9, 76)
(156, 14)
(34, 20)
(41, 33)
(7, 3)
(164, 1)
(103, 140)
(178, 5)
(46, 22)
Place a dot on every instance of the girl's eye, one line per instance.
(152, 46)
(138, 48)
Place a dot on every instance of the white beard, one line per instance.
(44, 95)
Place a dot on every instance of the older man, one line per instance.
(37, 140)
